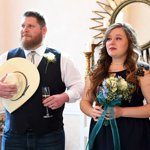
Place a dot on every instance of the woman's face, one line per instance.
(117, 43)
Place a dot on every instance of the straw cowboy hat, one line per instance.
(25, 76)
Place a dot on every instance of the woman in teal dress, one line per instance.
(131, 124)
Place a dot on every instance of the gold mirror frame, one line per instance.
(110, 11)
(120, 7)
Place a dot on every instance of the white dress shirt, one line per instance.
(69, 73)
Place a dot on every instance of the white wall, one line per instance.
(1, 26)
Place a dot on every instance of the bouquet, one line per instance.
(116, 88)
(112, 91)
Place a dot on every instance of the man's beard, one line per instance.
(33, 43)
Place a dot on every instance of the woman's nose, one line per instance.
(112, 41)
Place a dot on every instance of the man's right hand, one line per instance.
(7, 90)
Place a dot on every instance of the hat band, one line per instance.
(26, 86)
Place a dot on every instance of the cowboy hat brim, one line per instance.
(29, 84)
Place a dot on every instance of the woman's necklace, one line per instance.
(117, 66)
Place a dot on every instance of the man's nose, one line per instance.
(25, 28)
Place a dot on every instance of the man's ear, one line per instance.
(44, 30)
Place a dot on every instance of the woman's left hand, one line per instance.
(118, 111)
(114, 114)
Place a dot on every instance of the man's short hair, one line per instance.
(36, 15)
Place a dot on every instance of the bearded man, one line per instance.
(26, 128)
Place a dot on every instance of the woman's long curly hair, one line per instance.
(100, 71)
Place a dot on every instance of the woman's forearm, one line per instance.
(136, 112)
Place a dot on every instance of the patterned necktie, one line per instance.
(32, 56)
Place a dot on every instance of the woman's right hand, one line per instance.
(96, 112)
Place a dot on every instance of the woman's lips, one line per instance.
(112, 48)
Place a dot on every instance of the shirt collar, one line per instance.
(40, 50)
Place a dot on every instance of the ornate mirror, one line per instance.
(125, 11)
(128, 10)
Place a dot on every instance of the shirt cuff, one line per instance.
(73, 96)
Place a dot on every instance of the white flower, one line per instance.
(123, 84)
(49, 56)
(111, 83)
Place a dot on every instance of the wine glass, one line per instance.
(45, 94)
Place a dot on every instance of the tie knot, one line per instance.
(32, 53)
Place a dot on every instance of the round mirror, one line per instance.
(127, 11)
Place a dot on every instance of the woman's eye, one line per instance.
(118, 38)
(108, 39)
